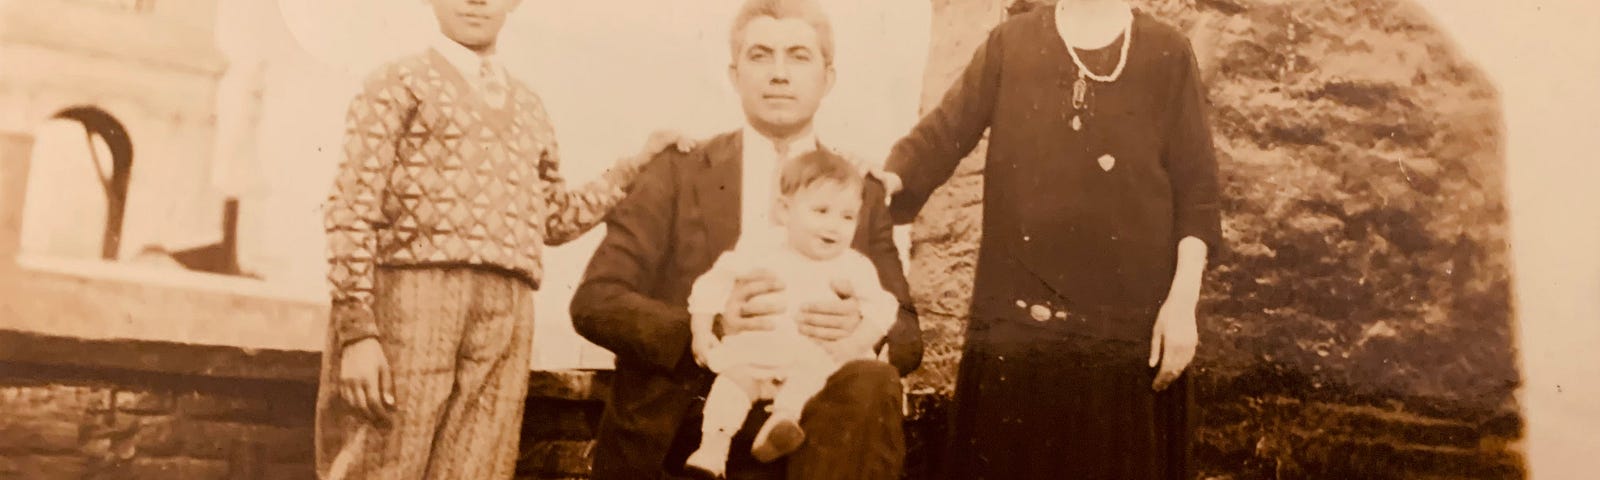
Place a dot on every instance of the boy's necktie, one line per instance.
(494, 86)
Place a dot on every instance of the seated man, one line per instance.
(683, 212)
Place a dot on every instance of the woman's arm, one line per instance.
(925, 158)
(1191, 164)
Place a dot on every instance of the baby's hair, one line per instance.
(815, 167)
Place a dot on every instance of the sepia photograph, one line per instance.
(799, 239)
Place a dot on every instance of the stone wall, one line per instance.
(1358, 324)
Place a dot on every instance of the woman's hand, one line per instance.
(1175, 336)
(1173, 341)
(891, 181)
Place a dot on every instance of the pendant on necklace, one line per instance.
(1080, 93)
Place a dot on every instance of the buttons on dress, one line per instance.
(1107, 162)
(1039, 312)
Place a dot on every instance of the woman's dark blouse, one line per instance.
(1100, 242)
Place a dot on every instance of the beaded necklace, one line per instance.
(1080, 87)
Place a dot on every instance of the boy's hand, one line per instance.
(660, 140)
(365, 381)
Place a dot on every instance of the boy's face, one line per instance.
(821, 218)
(474, 24)
(780, 73)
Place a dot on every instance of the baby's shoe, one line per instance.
(780, 435)
(708, 463)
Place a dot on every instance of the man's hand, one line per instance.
(829, 321)
(365, 381)
(702, 345)
(1173, 341)
(755, 300)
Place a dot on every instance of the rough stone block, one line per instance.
(245, 459)
(52, 399)
(285, 444)
(560, 420)
(29, 467)
(40, 466)
(207, 406)
(290, 408)
(155, 437)
(557, 458)
(206, 439)
(136, 401)
(569, 384)
(23, 431)
(289, 471)
(174, 468)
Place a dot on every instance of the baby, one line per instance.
(820, 198)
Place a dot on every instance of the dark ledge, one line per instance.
(595, 386)
(25, 348)
(34, 353)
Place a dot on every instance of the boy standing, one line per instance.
(449, 188)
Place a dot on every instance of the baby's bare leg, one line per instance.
(727, 405)
(781, 434)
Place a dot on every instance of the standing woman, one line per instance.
(1100, 206)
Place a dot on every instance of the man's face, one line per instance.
(473, 23)
(780, 73)
(821, 218)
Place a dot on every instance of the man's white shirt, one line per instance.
(759, 185)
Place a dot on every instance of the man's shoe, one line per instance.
(779, 436)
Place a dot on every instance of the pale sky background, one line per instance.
(607, 80)
(612, 71)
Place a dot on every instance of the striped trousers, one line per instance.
(458, 341)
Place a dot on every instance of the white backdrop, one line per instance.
(609, 72)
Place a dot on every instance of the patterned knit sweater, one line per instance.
(435, 175)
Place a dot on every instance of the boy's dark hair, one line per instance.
(814, 167)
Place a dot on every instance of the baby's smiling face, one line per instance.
(821, 218)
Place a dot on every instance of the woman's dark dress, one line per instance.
(1095, 248)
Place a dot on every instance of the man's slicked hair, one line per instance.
(808, 11)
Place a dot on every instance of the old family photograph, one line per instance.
(772, 239)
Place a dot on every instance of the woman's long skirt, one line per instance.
(1037, 402)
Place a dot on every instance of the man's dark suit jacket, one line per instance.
(682, 212)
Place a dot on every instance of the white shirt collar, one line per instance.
(464, 59)
(755, 141)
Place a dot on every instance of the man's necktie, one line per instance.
(493, 84)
